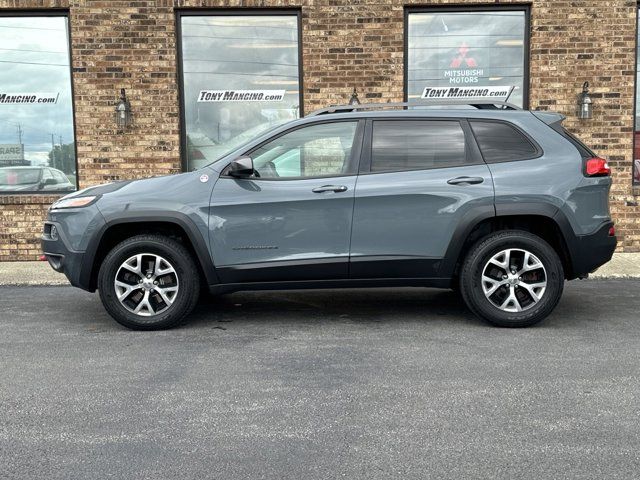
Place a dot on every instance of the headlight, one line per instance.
(73, 202)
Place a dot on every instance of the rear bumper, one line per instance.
(62, 257)
(588, 252)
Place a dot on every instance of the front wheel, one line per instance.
(149, 282)
(512, 279)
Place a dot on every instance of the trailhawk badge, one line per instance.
(204, 178)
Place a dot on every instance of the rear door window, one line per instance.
(399, 145)
(501, 142)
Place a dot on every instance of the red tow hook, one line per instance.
(42, 258)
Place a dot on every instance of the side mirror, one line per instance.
(241, 167)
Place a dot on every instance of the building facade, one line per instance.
(202, 75)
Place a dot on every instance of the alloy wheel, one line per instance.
(514, 280)
(146, 284)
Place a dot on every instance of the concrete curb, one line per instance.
(30, 273)
(622, 265)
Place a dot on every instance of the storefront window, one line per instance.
(37, 150)
(450, 54)
(636, 149)
(240, 77)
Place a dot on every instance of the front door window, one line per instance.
(314, 151)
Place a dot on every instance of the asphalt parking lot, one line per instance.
(397, 383)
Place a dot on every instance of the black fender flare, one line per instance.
(475, 216)
(467, 223)
(176, 218)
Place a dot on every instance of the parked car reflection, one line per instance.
(202, 150)
(34, 179)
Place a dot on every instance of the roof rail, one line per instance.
(479, 104)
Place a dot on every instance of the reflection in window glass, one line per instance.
(466, 49)
(37, 151)
(313, 151)
(500, 142)
(240, 77)
(636, 150)
(416, 144)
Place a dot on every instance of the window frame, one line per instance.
(472, 152)
(226, 12)
(354, 160)
(52, 12)
(538, 150)
(635, 184)
(472, 8)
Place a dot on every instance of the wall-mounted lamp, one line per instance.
(585, 104)
(354, 98)
(123, 111)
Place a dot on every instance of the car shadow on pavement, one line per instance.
(357, 305)
(578, 307)
(583, 304)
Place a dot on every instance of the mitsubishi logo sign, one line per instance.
(463, 69)
(462, 57)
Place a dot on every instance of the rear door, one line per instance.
(419, 180)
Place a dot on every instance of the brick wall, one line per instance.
(132, 44)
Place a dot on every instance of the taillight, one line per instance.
(597, 167)
(612, 232)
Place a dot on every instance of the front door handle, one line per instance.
(330, 188)
(465, 180)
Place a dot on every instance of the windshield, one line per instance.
(245, 137)
(19, 176)
(207, 151)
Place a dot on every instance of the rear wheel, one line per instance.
(149, 282)
(512, 279)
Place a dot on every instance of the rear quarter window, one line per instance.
(502, 142)
(585, 151)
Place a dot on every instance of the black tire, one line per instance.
(185, 271)
(483, 251)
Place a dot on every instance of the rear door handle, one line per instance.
(465, 180)
(330, 188)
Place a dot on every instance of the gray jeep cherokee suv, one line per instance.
(500, 203)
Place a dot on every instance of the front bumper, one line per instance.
(589, 252)
(61, 256)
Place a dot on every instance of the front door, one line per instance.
(421, 177)
(292, 219)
